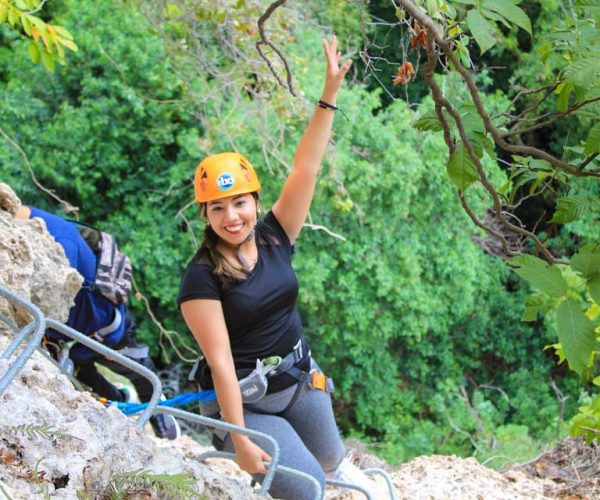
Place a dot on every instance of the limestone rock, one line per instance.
(33, 265)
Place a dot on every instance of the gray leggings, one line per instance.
(305, 430)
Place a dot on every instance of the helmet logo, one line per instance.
(225, 181)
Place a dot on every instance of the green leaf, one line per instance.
(576, 335)
(39, 24)
(583, 72)
(432, 7)
(594, 288)
(34, 52)
(538, 164)
(461, 169)
(26, 24)
(69, 44)
(540, 178)
(558, 350)
(477, 140)
(48, 60)
(534, 304)
(523, 178)
(494, 16)
(510, 11)
(473, 122)
(3, 13)
(481, 29)
(62, 32)
(570, 208)
(562, 103)
(544, 278)
(428, 121)
(13, 16)
(592, 145)
(587, 263)
(592, 6)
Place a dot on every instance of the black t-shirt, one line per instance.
(260, 312)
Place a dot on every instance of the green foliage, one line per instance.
(461, 169)
(512, 445)
(4, 492)
(47, 41)
(546, 279)
(173, 486)
(576, 335)
(576, 331)
(587, 421)
(103, 133)
(570, 208)
(34, 431)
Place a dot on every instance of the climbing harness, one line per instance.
(254, 385)
(112, 327)
(314, 378)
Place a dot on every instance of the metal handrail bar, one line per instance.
(280, 468)
(38, 333)
(119, 358)
(343, 484)
(9, 323)
(18, 339)
(387, 478)
(78, 385)
(219, 424)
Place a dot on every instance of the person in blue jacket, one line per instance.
(97, 317)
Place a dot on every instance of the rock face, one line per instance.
(33, 265)
(72, 443)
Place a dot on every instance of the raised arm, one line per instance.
(294, 202)
(206, 321)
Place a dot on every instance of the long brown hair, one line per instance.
(223, 269)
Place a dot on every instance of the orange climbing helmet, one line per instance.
(224, 174)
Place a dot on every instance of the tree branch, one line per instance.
(67, 207)
(552, 120)
(426, 21)
(265, 41)
(548, 88)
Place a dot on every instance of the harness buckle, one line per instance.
(318, 380)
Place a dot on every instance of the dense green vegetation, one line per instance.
(420, 328)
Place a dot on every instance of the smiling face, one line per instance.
(232, 218)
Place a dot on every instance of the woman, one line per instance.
(238, 297)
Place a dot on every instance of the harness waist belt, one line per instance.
(314, 378)
(290, 360)
(113, 326)
(139, 352)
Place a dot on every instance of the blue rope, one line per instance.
(179, 400)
